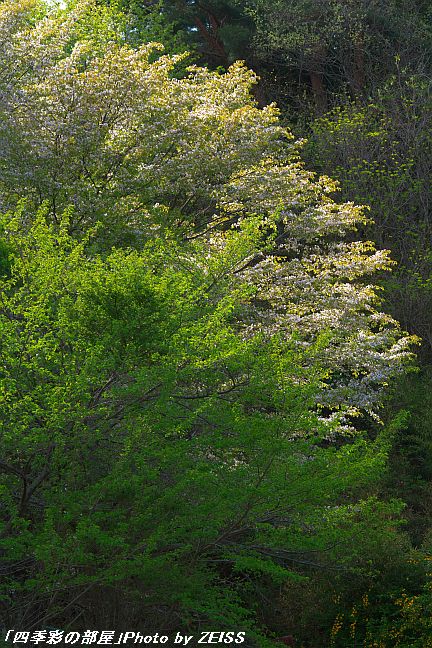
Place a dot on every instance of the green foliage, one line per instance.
(309, 54)
(155, 449)
(147, 22)
(380, 152)
(189, 335)
(106, 128)
(403, 621)
(410, 460)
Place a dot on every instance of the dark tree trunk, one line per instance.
(359, 77)
(316, 75)
(319, 91)
(216, 47)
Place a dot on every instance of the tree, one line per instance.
(380, 153)
(125, 143)
(219, 31)
(344, 47)
(145, 22)
(148, 446)
(324, 50)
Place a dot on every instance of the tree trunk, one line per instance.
(316, 75)
(359, 77)
(217, 48)
(319, 91)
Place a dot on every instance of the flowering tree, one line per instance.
(89, 122)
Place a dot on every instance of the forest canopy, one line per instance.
(195, 357)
